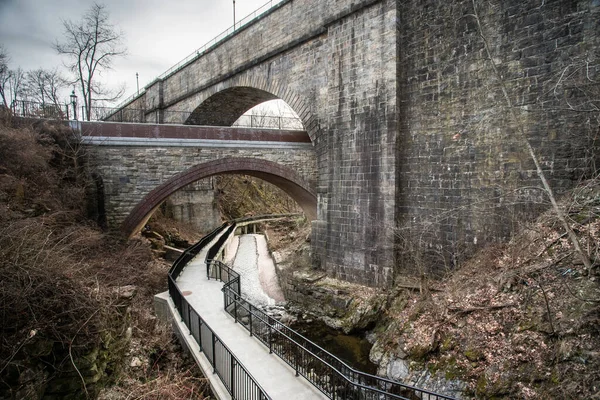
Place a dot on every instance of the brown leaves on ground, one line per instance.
(520, 320)
(63, 280)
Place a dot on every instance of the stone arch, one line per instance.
(235, 96)
(276, 174)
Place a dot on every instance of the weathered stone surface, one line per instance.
(195, 204)
(419, 160)
(131, 173)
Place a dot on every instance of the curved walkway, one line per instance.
(275, 376)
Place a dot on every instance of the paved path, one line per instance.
(275, 376)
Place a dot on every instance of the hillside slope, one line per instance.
(518, 320)
(76, 303)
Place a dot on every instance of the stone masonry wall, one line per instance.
(335, 63)
(418, 157)
(195, 204)
(357, 183)
(464, 175)
(131, 172)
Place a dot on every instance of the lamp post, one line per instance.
(74, 104)
(137, 81)
(234, 15)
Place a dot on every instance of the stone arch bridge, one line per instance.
(414, 155)
(142, 165)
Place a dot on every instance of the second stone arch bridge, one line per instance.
(138, 166)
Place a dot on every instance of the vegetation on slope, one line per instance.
(75, 302)
(519, 320)
(240, 196)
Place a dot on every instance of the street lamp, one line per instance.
(137, 80)
(234, 15)
(74, 104)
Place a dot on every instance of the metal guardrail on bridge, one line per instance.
(30, 109)
(235, 377)
(326, 372)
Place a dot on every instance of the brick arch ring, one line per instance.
(280, 176)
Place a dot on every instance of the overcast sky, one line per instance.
(158, 33)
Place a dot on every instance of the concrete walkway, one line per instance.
(276, 377)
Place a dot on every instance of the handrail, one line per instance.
(32, 109)
(329, 374)
(366, 384)
(235, 377)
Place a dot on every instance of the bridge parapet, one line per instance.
(171, 131)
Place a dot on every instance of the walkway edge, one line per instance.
(166, 312)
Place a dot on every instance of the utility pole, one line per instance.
(234, 15)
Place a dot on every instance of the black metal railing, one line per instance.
(326, 372)
(219, 118)
(329, 374)
(235, 377)
(32, 109)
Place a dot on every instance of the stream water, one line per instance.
(352, 349)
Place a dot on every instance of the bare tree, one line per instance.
(91, 45)
(11, 81)
(4, 74)
(273, 114)
(16, 85)
(43, 86)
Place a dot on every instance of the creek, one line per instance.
(352, 349)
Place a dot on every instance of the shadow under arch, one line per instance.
(225, 107)
(226, 104)
(276, 174)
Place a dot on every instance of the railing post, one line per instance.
(270, 335)
(189, 321)
(333, 392)
(296, 357)
(200, 334)
(235, 301)
(250, 319)
(232, 377)
(214, 362)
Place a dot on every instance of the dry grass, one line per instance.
(61, 292)
(520, 320)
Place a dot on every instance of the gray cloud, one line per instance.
(158, 33)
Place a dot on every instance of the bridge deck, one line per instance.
(276, 377)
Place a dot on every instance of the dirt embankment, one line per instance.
(76, 302)
(518, 320)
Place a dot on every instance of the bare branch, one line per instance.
(90, 46)
(523, 136)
